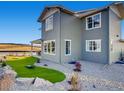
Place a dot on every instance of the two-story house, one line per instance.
(90, 35)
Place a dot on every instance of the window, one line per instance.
(45, 47)
(93, 45)
(67, 47)
(49, 23)
(93, 21)
(53, 47)
(89, 22)
(49, 47)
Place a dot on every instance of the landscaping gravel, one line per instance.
(94, 77)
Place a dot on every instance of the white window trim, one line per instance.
(43, 47)
(51, 48)
(65, 47)
(48, 29)
(47, 41)
(92, 27)
(87, 45)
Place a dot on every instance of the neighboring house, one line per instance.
(17, 49)
(90, 35)
(37, 43)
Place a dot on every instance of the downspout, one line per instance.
(41, 48)
(109, 38)
(41, 40)
(60, 37)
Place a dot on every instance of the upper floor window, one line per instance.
(93, 21)
(93, 45)
(49, 23)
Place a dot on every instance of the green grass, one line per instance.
(49, 74)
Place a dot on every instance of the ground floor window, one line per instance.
(48, 42)
(93, 45)
(49, 47)
(67, 47)
(45, 47)
(53, 47)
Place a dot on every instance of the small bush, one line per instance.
(30, 66)
(77, 67)
(3, 64)
(38, 60)
(74, 82)
(45, 65)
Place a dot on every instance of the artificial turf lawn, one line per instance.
(18, 64)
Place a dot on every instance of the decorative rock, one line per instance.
(1, 73)
(30, 66)
(45, 65)
(24, 81)
(41, 82)
(94, 86)
(11, 72)
(6, 82)
(7, 67)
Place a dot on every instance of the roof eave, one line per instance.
(97, 11)
(119, 5)
(120, 8)
(58, 7)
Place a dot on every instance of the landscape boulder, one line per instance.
(41, 82)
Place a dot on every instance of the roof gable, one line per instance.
(52, 9)
(47, 12)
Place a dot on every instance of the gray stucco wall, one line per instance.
(71, 28)
(52, 35)
(98, 33)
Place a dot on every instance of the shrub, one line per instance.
(30, 66)
(3, 64)
(45, 65)
(38, 60)
(77, 67)
(74, 82)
